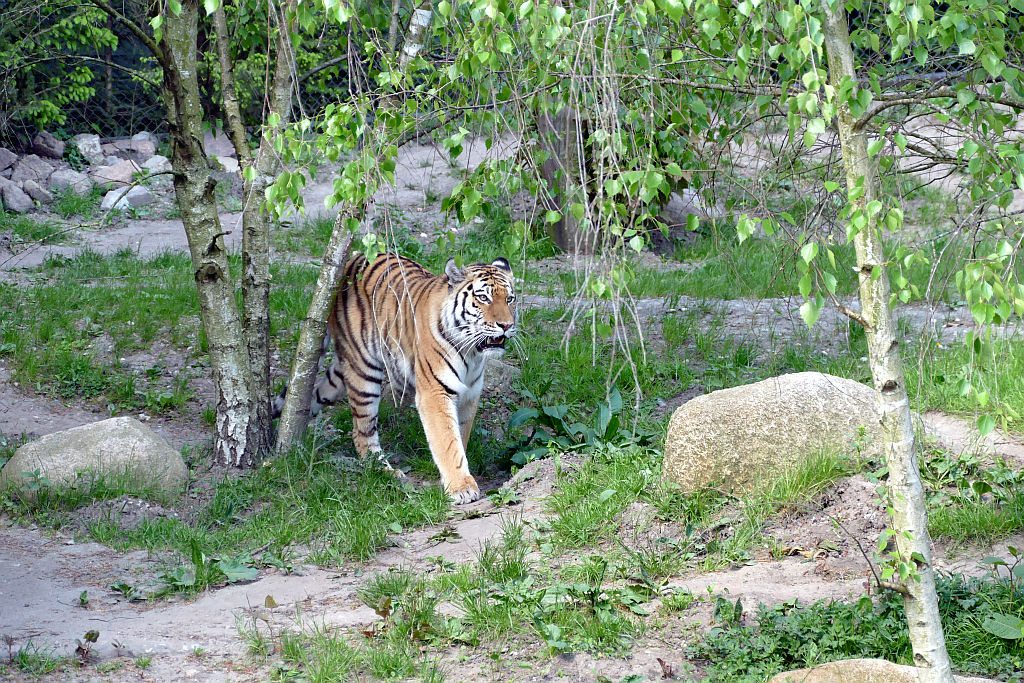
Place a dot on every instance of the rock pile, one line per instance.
(30, 181)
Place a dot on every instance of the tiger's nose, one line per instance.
(505, 327)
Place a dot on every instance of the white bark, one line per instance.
(909, 517)
(238, 439)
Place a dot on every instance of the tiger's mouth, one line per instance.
(491, 343)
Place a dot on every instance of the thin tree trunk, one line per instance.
(295, 412)
(257, 175)
(908, 517)
(239, 439)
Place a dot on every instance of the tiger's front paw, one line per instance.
(463, 490)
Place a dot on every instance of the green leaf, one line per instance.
(605, 495)
(966, 46)
(636, 243)
(234, 570)
(522, 415)
(810, 311)
(993, 65)
(809, 251)
(986, 423)
(1004, 626)
(211, 6)
(552, 216)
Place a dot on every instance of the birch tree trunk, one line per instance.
(295, 412)
(239, 438)
(908, 517)
(258, 174)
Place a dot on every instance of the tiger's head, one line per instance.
(480, 313)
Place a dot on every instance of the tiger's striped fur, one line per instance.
(425, 333)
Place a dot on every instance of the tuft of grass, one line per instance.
(31, 229)
(69, 204)
(970, 500)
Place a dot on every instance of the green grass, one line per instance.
(101, 308)
(69, 204)
(718, 266)
(304, 502)
(32, 229)
(791, 636)
(971, 500)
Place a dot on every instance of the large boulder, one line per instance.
(7, 158)
(117, 175)
(120, 451)
(89, 146)
(64, 178)
(45, 144)
(14, 197)
(860, 671)
(740, 435)
(32, 167)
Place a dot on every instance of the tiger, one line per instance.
(429, 334)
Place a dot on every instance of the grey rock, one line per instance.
(7, 173)
(89, 146)
(157, 164)
(45, 144)
(145, 135)
(37, 192)
(860, 671)
(14, 197)
(229, 164)
(64, 178)
(120, 450)
(741, 435)
(121, 198)
(498, 376)
(112, 160)
(7, 158)
(218, 145)
(32, 167)
(116, 175)
(108, 148)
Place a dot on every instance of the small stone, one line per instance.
(32, 167)
(63, 178)
(7, 158)
(123, 199)
(45, 144)
(157, 164)
(230, 164)
(116, 175)
(14, 197)
(145, 135)
(37, 192)
(88, 144)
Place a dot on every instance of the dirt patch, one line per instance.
(833, 532)
(125, 512)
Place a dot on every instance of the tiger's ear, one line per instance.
(502, 263)
(454, 273)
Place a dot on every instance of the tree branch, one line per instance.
(890, 101)
(146, 39)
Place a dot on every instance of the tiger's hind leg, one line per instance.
(363, 382)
